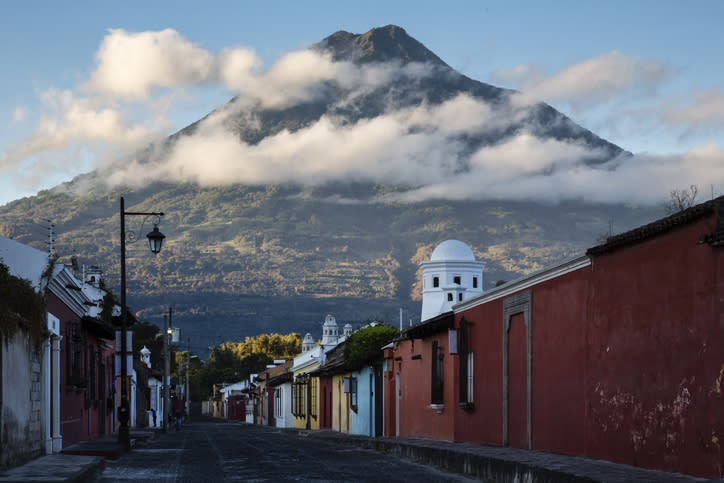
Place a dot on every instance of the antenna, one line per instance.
(51, 240)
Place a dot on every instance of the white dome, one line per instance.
(452, 250)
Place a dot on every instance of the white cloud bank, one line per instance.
(138, 75)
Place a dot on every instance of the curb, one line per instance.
(502, 464)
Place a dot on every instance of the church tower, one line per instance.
(452, 275)
(330, 334)
(307, 342)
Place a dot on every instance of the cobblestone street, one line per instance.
(219, 451)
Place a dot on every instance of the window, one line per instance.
(437, 372)
(467, 360)
(456, 279)
(299, 397)
(353, 393)
(92, 377)
(471, 366)
(277, 402)
(449, 297)
(435, 281)
(475, 282)
(460, 297)
(313, 402)
(76, 378)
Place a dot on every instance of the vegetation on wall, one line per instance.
(364, 346)
(21, 307)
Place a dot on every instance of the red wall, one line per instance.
(558, 314)
(655, 355)
(417, 418)
(236, 409)
(558, 311)
(325, 399)
(485, 424)
(627, 361)
(390, 403)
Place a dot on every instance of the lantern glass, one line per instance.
(155, 240)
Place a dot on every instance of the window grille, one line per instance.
(353, 393)
(466, 375)
(437, 372)
(313, 402)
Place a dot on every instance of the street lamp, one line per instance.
(155, 240)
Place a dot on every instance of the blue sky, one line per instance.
(646, 75)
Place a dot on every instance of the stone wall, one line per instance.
(21, 402)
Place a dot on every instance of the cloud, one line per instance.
(74, 135)
(590, 82)
(645, 179)
(138, 76)
(305, 76)
(703, 108)
(20, 113)
(130, 65)
(422, 147)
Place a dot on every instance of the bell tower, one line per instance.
(452, 275)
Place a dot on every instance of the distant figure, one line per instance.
(153, 415)
(177, 412)
(123, 413)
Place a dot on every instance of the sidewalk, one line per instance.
(81, 462)
(492, 463)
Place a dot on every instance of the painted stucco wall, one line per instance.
(83, 415)
(325, 402)
(483, 425)
(340, 405)
(284, 418)
(417, 417)
(311, 397)
(23, 419)
(627, 363)
(655, 357)
(364, 416)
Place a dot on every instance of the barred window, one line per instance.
(437, 372)
(467, 363)
(313, 403)
(471, 365)
(353, 393)
(277, 402)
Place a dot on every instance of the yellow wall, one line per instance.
(301, 421)
(340, 405)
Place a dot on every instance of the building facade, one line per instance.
(617, 347)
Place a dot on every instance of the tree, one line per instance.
(679, 200)
(365, 345)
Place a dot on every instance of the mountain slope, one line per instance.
(242, 259)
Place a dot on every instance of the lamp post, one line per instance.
(155, 240)
(164, 414)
